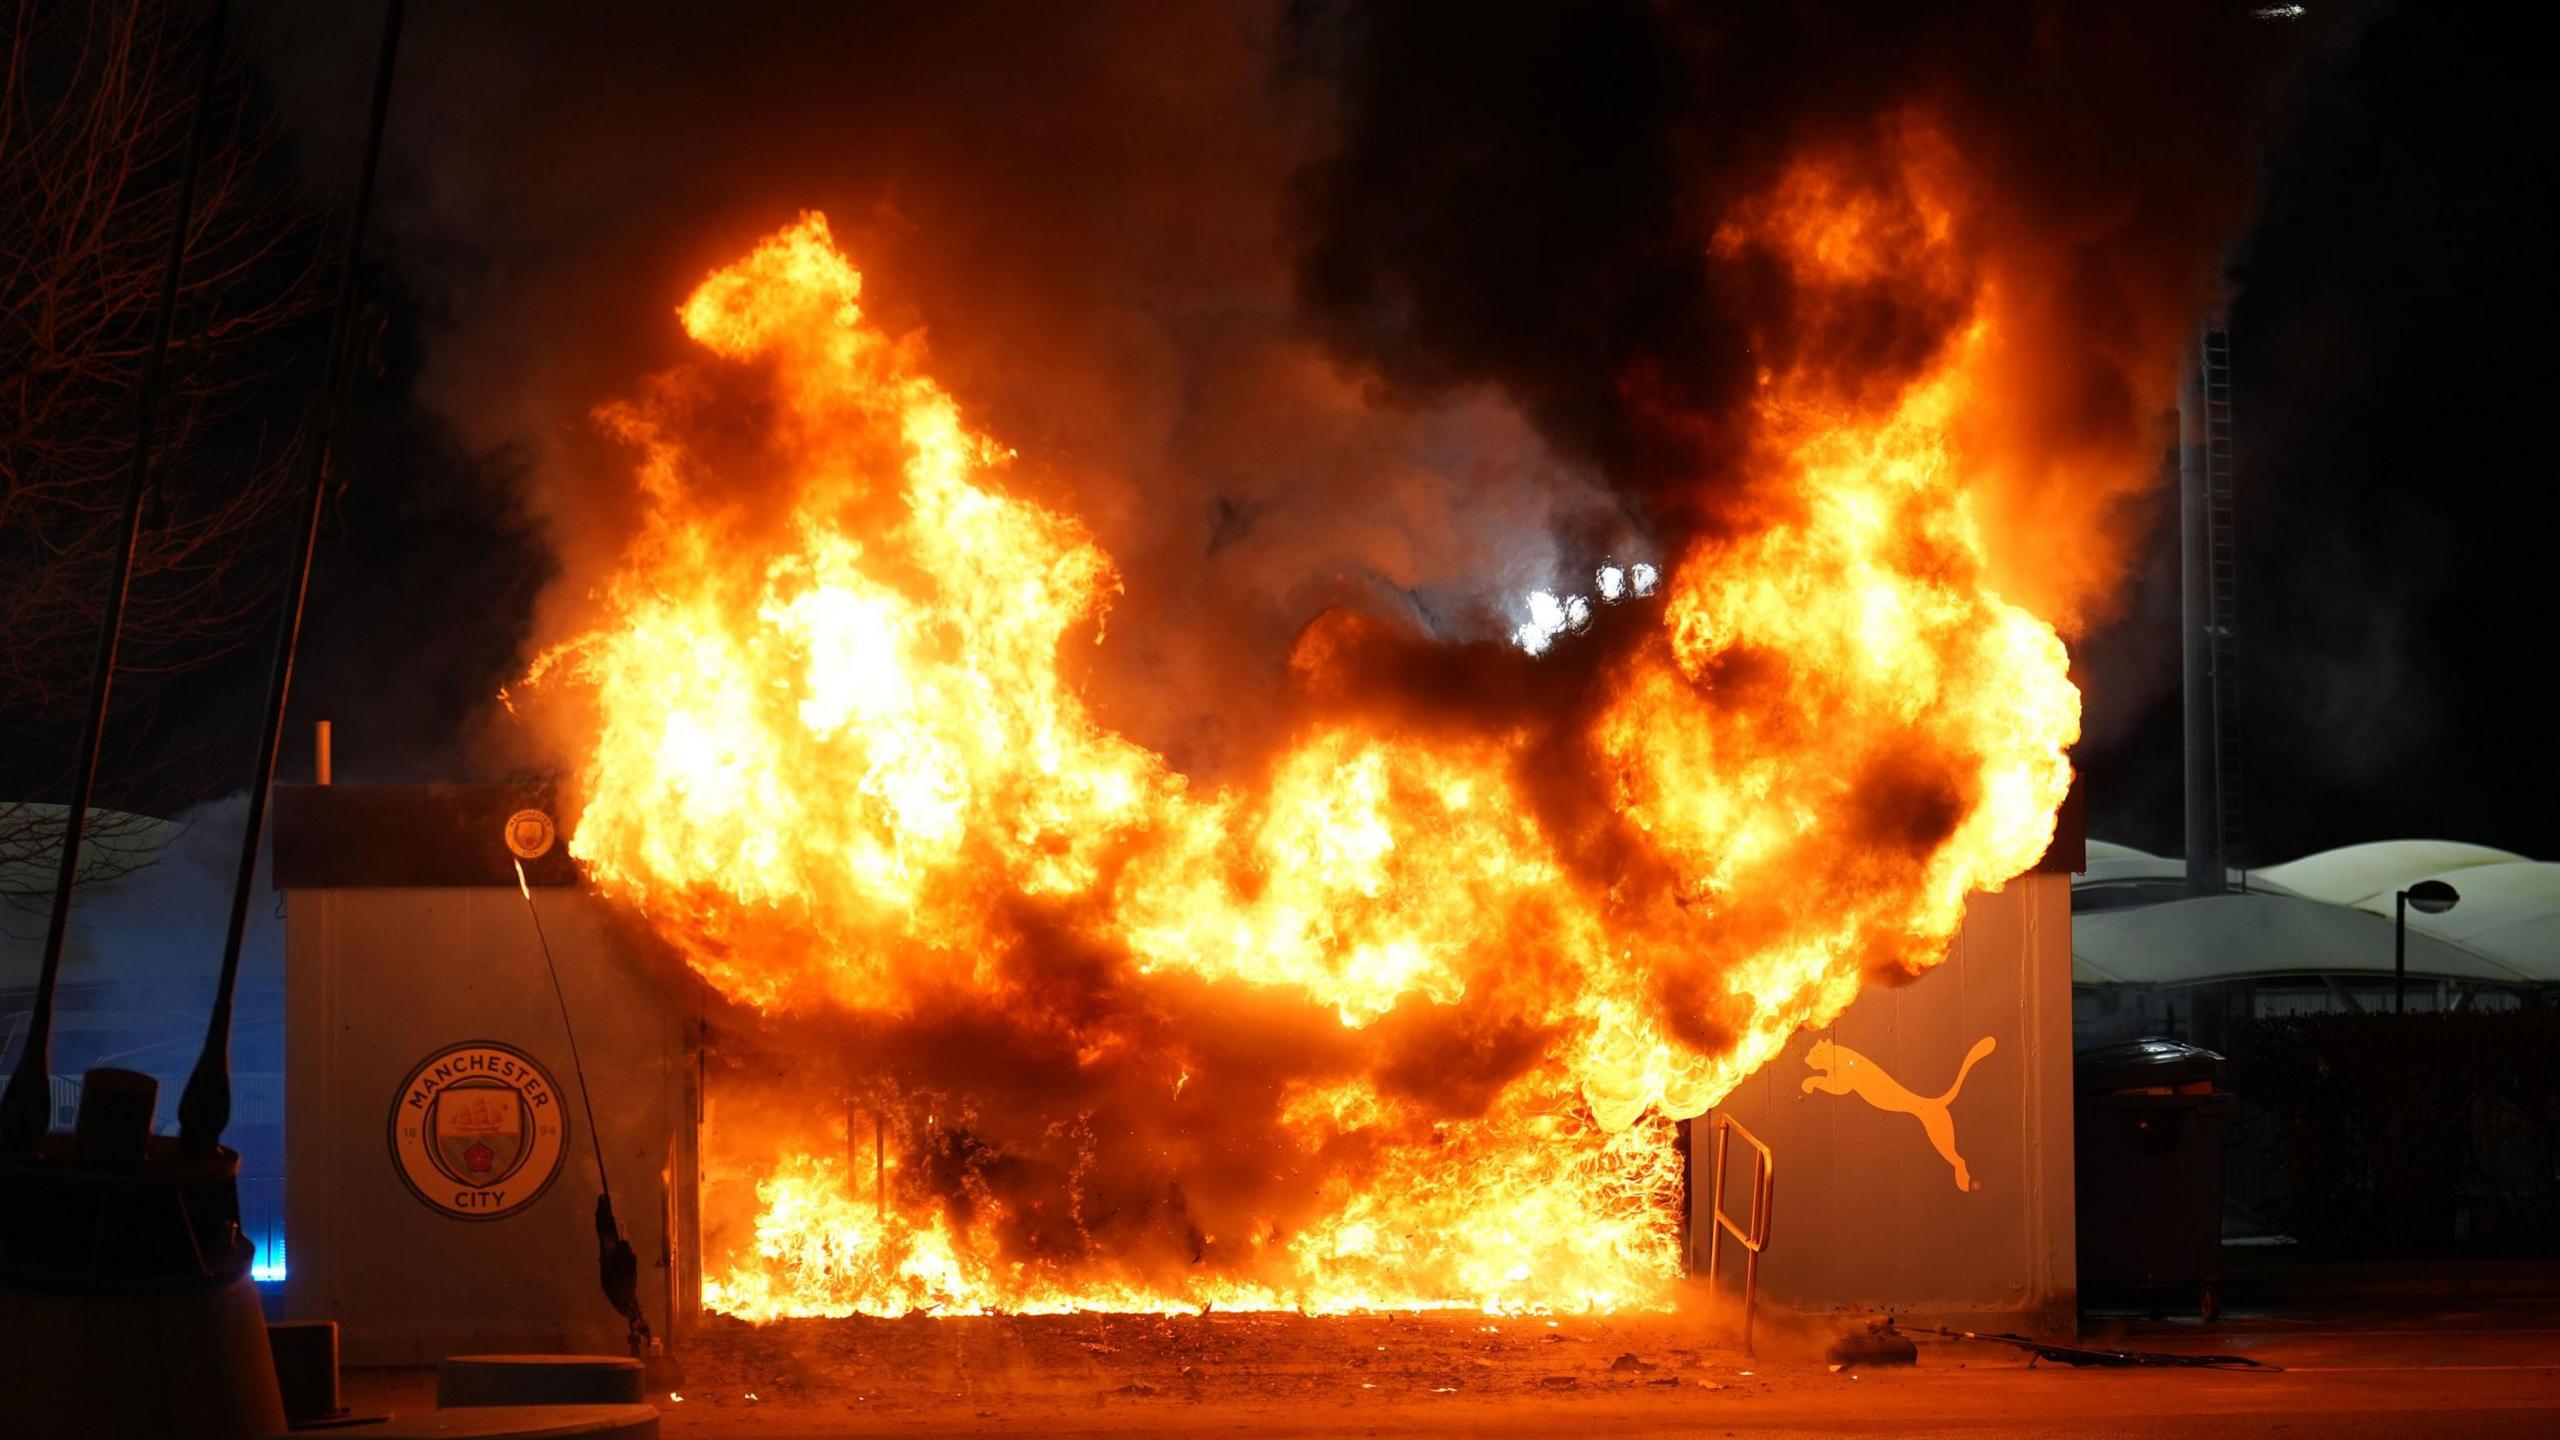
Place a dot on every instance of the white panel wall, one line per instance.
(378, 979)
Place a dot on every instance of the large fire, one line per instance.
(1401, 1020)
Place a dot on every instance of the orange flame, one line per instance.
(837, 760)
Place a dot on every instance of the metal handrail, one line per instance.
(1752, 1239)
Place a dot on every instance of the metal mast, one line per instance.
(2210, 615)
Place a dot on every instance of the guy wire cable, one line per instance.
(617, 1267)
(585, 1101)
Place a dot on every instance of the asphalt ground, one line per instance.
(2476, 1371)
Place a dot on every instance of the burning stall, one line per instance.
(760, 1185)
(1006, 1012)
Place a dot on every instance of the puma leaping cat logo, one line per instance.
(1846, 1072)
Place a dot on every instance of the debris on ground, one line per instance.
(1878, 1343)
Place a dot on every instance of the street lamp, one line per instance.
(2432, 897)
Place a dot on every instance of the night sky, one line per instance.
(2390, 342)
(2390, 315)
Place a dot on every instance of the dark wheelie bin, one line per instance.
(2149, 1168)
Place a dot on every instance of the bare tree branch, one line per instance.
(94, 106)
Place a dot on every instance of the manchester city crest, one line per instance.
(478, 1130)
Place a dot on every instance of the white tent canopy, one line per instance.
(2209, 938)
(2356, 874)
(2109, 863)
(2116, 865)
(2509, 912)
(2324, 914)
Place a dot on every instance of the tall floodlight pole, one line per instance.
(2208, 618)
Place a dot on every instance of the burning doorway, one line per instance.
(897, 1201)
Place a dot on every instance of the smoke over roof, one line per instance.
(1407, 309)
